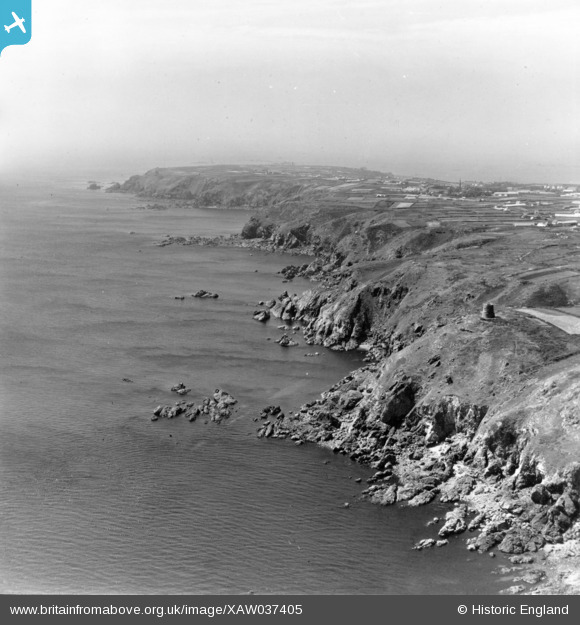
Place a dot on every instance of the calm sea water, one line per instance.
(94, 497)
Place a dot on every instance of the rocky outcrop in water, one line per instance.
(203, 294)
(180, 389)
(215, 408)
(286, 341)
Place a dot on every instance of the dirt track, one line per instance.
(569, 323)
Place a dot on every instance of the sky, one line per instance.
(481, 90)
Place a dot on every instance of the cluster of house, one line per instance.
(570, 219)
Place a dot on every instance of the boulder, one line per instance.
(540, 495)
(457, 488)
(568, 504)
(398, 402)
(385, 497)
(286, 341)
(455, 522)
(350, 399)
(476, 521)
(426, 543)
(261, 315)
(180, 389)
(485, 542)
(520, 539)
(423, 498)
(272, 411)
(223, 398)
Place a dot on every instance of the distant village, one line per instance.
(518, 205)
(543, 205)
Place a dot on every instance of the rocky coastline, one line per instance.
(480, 413)
(447, 411)
(234, 240)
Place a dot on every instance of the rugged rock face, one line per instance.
(343, 322)
(423, 446)
(526, 497)
(474, 412)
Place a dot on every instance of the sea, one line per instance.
(97, 498)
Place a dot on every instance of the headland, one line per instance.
(466, 298)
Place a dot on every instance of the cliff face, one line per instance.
(456, 414)
(449, 405)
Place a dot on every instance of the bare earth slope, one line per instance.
(484, 413)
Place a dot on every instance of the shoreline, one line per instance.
(232, 240)
(485, 508)
(445, 409)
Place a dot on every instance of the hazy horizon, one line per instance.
(479, 90)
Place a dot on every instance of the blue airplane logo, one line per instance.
(18, 30)
(18, 21)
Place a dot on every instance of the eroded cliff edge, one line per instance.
(485, 413)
